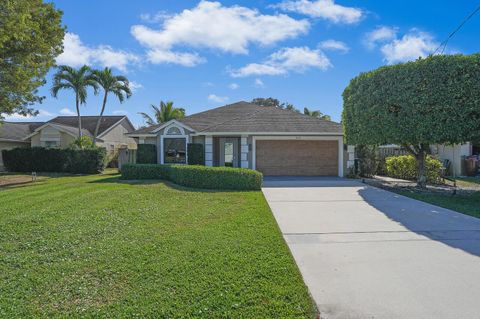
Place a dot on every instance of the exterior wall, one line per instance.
(116, 138)
(51, 134)
(35, 141)
(9, 146)
(454, 154)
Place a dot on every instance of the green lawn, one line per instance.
(91, 246)
(469, 205)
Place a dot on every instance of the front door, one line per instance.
(229, 152)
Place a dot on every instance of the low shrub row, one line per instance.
(405, 167)
(40, 159)
(196, 176)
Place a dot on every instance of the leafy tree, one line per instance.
(316, 114)
(118, 85)
(82, 143)
(435, 100)
(274, 102)
(164, 113)
(31, 36)
(68, 78)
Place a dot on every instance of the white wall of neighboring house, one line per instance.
(455, 154)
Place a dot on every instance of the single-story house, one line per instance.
(61, 131)
(271, 140)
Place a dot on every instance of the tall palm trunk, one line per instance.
(100, 118)
(79, 117)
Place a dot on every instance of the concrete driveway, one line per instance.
(369, 253)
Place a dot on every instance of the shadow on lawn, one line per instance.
(169, 184)
(440, 224)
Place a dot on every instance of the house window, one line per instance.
(175, 150)
(51, 144)
(174, 131)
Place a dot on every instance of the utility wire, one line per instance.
(443, 45)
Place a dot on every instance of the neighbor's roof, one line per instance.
(244, 117)
(88, 122)
(16, 131)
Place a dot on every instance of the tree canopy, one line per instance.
(31, 35)
(434, 100)
(164, 113)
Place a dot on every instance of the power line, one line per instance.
(443, 45)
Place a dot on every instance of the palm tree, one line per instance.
(164, 113)
(316, 114)
(68, 78)
(116, 84)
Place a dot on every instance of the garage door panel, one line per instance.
(297, 158)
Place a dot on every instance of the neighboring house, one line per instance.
(12, 135)
(454, 153)
(271, 140)
(61, 131)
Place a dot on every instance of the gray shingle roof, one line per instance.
(247, 117)
(16, 131)
(88, 122)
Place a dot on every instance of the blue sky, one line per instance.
(206, 54)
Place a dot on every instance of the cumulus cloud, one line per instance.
(214, 26)
(67, 111)
(233, 86)
(76, 54)
(158, 56)
(334, 45)
(380, 34)
(324, 9)
(412, 45)
(120, 112)
(297, 59)
(217, 99)
(19, 117)
(155, 18)
(135, 86)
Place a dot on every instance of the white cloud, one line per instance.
(411, 46)
(258, 83)
(233, 86)
(120, 112)
(155, 18)
(158, 56)
(334, 45)
(217, 99)
(76, 54)
(214, 26)
(67, 111)
(380, 34)
(19, 117)
(135, 86)
(324, 9)
(297, 59)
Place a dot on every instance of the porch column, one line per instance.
(243, 152)
(208, 151)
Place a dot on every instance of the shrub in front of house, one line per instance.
(405, 167)
(196, 155)
(40, 159)
(146, 154)
(196, 176)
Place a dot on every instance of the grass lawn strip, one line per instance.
(90, 246)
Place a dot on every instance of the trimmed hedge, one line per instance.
(146, 154)
(196, 176)
(40, 159)
(405, 167)
(196, 155)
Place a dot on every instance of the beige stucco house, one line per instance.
(61, 131)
